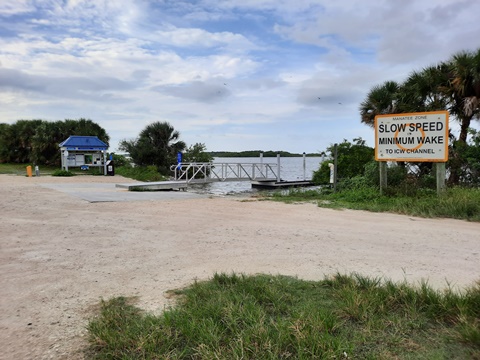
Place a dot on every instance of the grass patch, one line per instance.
(15, 169)
(140, 173)
(278, 317)
(21, 169)
(457, 203)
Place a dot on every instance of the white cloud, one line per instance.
(283, 7)
(399, 31)
(249, 68)
(199, 38)
(15, 7)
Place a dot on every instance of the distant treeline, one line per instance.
(256, 153)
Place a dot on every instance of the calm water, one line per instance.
(291, 168)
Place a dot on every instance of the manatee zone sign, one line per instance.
(415, 137)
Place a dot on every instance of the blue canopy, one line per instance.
(91, 143)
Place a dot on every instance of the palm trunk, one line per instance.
(464, 129)
(456, 163)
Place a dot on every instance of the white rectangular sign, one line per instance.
(412, 137)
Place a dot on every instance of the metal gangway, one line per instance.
(212, 172)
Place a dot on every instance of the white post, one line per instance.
(65, 154)
(104, 162)
(332, 172)
(304, 166)
(261, 165)
(278, 167)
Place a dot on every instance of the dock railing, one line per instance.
(212, 172)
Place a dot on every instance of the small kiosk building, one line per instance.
(84, 152)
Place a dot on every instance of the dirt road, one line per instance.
(60, 254)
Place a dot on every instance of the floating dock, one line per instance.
(153, 186)
(273, 184)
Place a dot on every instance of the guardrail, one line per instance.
(212, 172)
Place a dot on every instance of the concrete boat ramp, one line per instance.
(182, 185)
(154, 186)
(139, 191)
(109, 192)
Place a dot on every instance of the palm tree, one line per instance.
(18, 140)
(420, 92)
(46, 140)
(157, 145)
(453, 85)
(382, 99)
(463, 89)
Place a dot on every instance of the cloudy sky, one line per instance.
(232, 74)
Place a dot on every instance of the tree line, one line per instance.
(36, 141)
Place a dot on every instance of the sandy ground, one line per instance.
(61, 254)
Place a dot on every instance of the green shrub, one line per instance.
(396, 174)
(140, 173)
(356, 182)
(322, 175)
(62, 173)
(120, 160)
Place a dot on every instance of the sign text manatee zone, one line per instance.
(412, 137)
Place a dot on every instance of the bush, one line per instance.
(351, 160)
(141, 173)
(322, 175)
(62, 173)
(396, 174)
(120, 160)
(354, 183)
